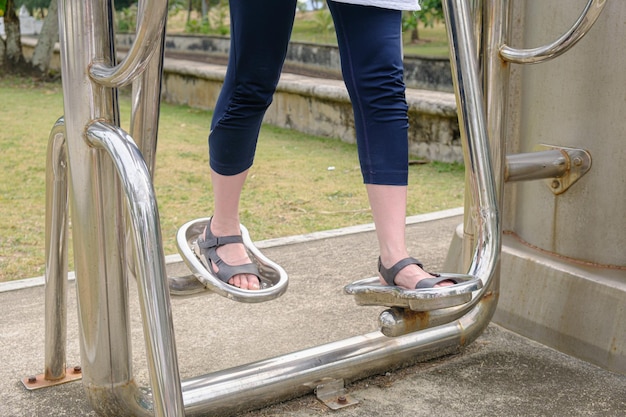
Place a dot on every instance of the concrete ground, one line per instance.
(500, 374)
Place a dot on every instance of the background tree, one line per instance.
(11, 48)
(431, 13)
(42, 55)
(3, 5)
(36, 8)
(11, 54)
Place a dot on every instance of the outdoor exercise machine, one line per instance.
(102, 175)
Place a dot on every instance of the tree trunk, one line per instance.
(415, 36)
(205, 11)
(47, 39)
(14, 56)
(2, 55)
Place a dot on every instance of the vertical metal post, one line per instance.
(56, 255)
(473, 128)
(98, 223)
(95, 199)
(491, 26)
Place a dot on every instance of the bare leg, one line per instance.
(226, 192)
(388, 203)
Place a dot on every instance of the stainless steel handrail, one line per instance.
(150, 262)
(588, 17)
(473, 127)
(150, 29)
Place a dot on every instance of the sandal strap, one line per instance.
(431, 282)
(389, 275)
(215, 242)
(225, 271)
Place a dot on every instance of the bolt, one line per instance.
(32, 379)
(555, 184)
(342, 400)
(578, 161)
(77, 369)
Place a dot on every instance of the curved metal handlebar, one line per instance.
(543, 53)
(149, 31)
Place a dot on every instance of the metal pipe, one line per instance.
(146, 100)
(56, 255)
(150, 30)
(144, 120)
(492, 21)
(565, 42)
(93, 200)
(258, 384)
(469, 228)
(97, 218)
(150, 263)
(536, 165)
(473, 128)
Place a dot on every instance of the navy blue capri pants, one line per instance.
(370, 45)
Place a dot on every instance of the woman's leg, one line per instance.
(260, 32)
(370, 42)
(388, 203)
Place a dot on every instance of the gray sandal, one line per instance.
(389, 275)
(208, 249)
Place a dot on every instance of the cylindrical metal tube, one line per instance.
(150, 264)
(56, 255)
(590, 14)
(98, 221)
(261, 383)
(473, 128)
(150, 28)
(536, 165)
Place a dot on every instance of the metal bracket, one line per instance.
(333, 393)
(578, 164)
(561, 167)
(39, 381)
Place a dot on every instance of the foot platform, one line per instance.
(273, 278)
(370, 291)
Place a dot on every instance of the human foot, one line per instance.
(227, 258)
(408, 274)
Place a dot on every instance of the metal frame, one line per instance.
(108, 174)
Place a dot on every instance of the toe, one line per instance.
(245, 282)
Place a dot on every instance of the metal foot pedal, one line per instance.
(273, 277)
(370, 291)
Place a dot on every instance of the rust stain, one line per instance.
(416, 319)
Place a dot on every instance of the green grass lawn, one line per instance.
(317, 27)
(433, 41)
(299, 183)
